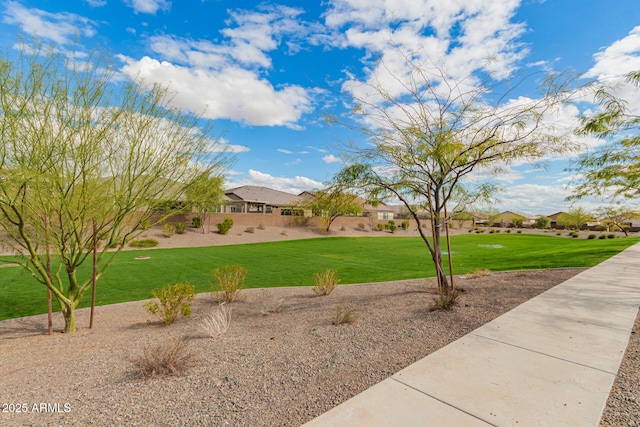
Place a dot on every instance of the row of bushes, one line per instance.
(173, 300)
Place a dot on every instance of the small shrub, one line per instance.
(391, 226)
(481, 272)
(260, 227)
(342, 315)
(558, 233)
(216, 323)
(250, 230)
(196, 222)
(380, 226)
(497, 231)
(591, 236)
(169, 358)
(225, 226)
(491, 231)
(611, 236)
(573, 234)
(181, 227)
(405, 224)
(360, 226)
(143, 243)
(285, 232)
(602, 237)
(172, 300)
(508, 231)
(479, 231)
(445, 301)
(270, 305)
(230, 281)
(470, 231)
(519, 231)
(168, 229)
(343, 228)
(326, 282)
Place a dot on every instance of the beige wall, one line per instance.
(277, 220)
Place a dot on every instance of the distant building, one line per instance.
(263, 200)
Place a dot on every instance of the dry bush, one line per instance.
(181, 227)
(326, 282)
(216, 323)
(250, 230)
(229, 282)
(169, 358)
(481, 272)
(285, 233)
(342, 315)
(270, 305)
(168, 229)
(171, 301)
(445, 301)
(260, 226)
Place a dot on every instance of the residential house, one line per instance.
(263, 200)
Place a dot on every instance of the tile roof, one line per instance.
(252, 193)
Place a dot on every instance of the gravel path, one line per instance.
(623, 406)
(278, 369)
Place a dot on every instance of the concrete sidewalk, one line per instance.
(549, 362)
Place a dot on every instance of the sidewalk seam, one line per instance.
(547, 355)
(443, 402)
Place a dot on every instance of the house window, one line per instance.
(385, 215)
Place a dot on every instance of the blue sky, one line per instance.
(268, 71)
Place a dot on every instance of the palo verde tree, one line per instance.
(332, 202)
(204, 197)
(575, 218)
(617, 217)
(427, 132)
(614, 170)
(85, 157)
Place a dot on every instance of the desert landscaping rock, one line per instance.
(281, 363)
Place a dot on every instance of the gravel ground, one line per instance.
(279, 369)
(623, 406)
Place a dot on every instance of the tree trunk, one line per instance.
(444, 285)
(69, 319)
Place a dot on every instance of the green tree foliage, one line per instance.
(331, 203)
(617, 218)
(542, 222)
(614, 170)
(428, 131)
(83, 158)
(204, 196)
(575, 218)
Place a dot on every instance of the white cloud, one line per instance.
(58, 28)
(228, 79)
(96, 3)
(228, 93)
(319, 150)
(149, 6)
(330, 158)
(539, 199)
(282, 150)
(615, 61)
(295, 185)
(293, 162)
(458, 36)
(621, 57)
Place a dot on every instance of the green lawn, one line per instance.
(294, 263)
